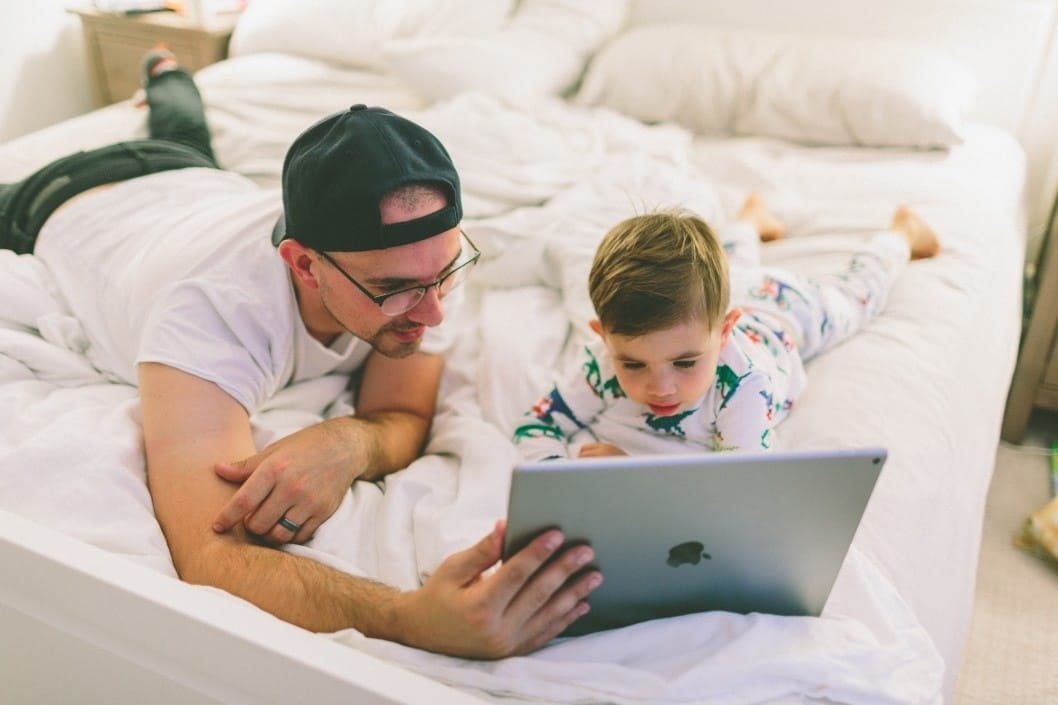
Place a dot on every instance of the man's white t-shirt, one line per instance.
(178, 268)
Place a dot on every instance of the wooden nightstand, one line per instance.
(1035, 380)
(115, 45)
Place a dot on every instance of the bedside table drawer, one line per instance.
(1035, 381)
(1047, 395)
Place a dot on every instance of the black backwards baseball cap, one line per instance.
(337, 171)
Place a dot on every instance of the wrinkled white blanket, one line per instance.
(542, 185)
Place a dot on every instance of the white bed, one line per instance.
(89, 602)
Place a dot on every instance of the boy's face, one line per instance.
(671, 369)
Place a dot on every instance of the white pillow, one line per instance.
(540, 51)
(818, 90)
(353, 32)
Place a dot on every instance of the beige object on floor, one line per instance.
(1039, 534)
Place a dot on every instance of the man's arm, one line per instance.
(304, 476)
(187, 422)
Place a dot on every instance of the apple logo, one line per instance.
(687, 552)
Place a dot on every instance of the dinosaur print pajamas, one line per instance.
(786, 320)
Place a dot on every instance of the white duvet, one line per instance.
(927, 380)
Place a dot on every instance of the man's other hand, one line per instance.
(514, 610)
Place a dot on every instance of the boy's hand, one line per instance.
(599, 450)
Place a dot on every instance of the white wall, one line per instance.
(43, 78)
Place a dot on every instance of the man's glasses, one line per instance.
(398, 302)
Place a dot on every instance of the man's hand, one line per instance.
(515, 610)
(301, 478)
(599, 450)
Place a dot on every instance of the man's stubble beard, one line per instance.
(392, 348)
(396, 349)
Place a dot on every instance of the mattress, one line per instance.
(543, 181)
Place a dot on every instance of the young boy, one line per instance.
(694, 352)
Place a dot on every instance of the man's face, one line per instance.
(671, 369)
(382, 272)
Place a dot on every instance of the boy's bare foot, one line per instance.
(920, 236)
(756, 213)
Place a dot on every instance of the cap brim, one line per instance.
(279, 230)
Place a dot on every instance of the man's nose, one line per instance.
(429, 311)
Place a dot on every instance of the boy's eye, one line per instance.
(629, 365)
(685, 364)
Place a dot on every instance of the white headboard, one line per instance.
(1008, 44)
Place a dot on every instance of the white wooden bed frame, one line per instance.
(79, 624)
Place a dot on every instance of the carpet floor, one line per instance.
(1011, 657)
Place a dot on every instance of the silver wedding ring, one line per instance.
(289, 525)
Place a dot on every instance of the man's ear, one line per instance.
(729, 322)
(299, 258)
(597, 328)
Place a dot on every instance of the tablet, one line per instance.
(676, 534)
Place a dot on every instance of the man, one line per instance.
(164, 260)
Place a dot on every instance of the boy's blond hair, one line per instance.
(658, 270)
